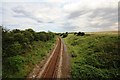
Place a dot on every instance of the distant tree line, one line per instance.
(79, 33)
(17, 41)
(64, 34)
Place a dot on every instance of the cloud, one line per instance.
(69, 27)
(76, 14)
(61, 15)
(23, 13)
(105, 20)
(99, 18)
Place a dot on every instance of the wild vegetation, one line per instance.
(22, 49)
(63, 35)
(94, 56)
(79, 33)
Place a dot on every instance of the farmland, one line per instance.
(94, 56)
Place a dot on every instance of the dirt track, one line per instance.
(54, 65)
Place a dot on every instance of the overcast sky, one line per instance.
(60, 15)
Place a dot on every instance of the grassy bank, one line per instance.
(26, 62)
(22, 50)
(94, 56)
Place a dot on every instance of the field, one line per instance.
(94, 56)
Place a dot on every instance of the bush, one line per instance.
(16, 41)
(29, 35)
(16, 31)
(13, 49)
(23, 46)
(80, 34)
(15, 63)
(19, 37)
(65, 34)
(61, 34)
(75, 33)
(94, 57)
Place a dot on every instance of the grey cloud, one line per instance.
(108, 14)
(18, 9)
(102, 25)
(77, 14)
(19, 16)
(22, 13)
(1, 10)
(119, 13)
(50, 22)
(69, 27)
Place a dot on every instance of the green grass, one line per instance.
(94, 56)
(23, 64)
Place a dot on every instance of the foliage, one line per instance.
(79, 33)
(94, 56)
(22, 49)
(13, 49)
(65, 34)
(16, 41)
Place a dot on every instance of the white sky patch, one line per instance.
(60, 15)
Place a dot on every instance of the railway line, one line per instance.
(52, 67)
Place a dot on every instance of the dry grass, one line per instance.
(104, 32)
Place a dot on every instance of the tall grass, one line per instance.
(94, 56)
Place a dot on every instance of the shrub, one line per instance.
(80, 34)
(29, 35)
(97, 57)
(75, 33)
(65, 34)
(13, 49)
(15, 63)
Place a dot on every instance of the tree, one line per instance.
(65, 34)
(61, 34)
(75, 33)
(15, 31)
(80, 34)
(13, 50)
(29, 35)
